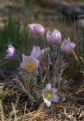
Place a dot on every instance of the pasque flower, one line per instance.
(67, 46)
(10, 52)
(49, 95)
(41, 55)
(36, 52)
(29, 64)
(53, 37)
(36, 29)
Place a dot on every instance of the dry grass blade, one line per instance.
(1, 111)
(13, 113)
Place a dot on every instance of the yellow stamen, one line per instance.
(30, 66)
(48, 94)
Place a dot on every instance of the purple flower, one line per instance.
(53, 37)
(29, 64)
(49, 95)
(10, 52)
(67, 46)
(41, 55)
(36, 29)
(36, 52)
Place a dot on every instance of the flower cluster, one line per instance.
(42, 57)
(52, 37)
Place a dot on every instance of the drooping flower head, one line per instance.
(36, 29)
(29, 64)
(53, 37)
(49, 95)
(36, 52)
(10, 52)
(67, 46)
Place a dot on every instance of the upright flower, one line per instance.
(36, 52)
(67, 46)
(10, 52)
(53, 37)
(36, 29)
(29, 64)
(49, 95)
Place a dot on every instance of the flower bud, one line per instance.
(36, 29)
(10, 52)
(53, 37)
(46, 56)
(67, 46)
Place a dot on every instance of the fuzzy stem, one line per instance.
(29, 94)
(59, 83)
(1, 111)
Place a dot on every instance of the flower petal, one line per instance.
(48, 86)
(36, 52)
(48, 103)
(25, 58)
(54, 90)
(22, 66)
(54, 98)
